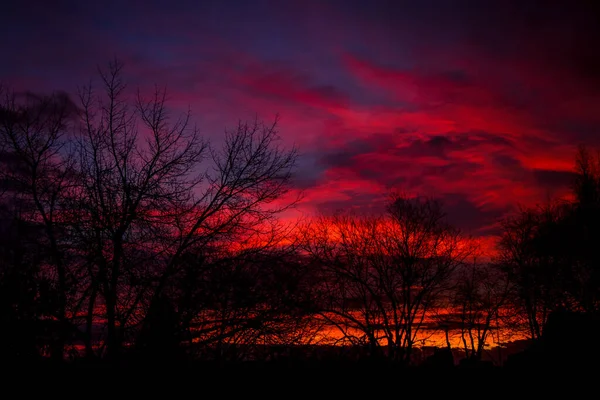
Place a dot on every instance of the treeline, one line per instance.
(126, 235)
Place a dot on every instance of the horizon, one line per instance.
(180, 177)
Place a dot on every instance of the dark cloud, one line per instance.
(508, 162)
(308, 173)
(480, 103)
(469, 217)
(360, 203)
(344, 156)
(553, 179)
(435, 147)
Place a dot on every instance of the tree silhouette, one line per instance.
(122, 228)
(37, 175)
(123, 194)
(235, 305)
(477, 301)
(147, 196)
(382, 275)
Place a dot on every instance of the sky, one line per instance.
(478, 103)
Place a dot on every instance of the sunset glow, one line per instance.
(404, 95)
(270, 173)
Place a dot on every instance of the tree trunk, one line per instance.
(89, 321)
(113, 342)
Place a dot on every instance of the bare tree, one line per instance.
(236, 304)
(382, 275)
(152, 190)
(580, 231)
(130, 198)
(132, 184)
(38, 173)
(478, 306)
(549, 251)
(529, 253)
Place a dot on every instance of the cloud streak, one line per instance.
(482, 107)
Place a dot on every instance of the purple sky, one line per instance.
(481, 103)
